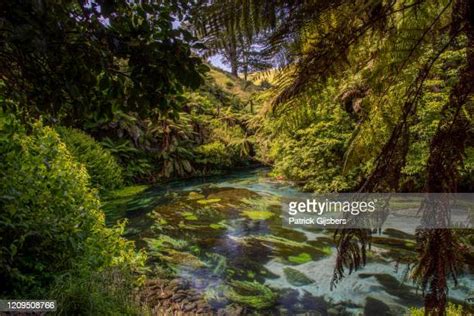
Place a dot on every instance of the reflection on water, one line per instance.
(225, 234)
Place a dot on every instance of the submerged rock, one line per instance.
(315, 303)
(376, 307)
(395, 233)
(172, 297)
(288, 297)
(296, 278)
(231, 310)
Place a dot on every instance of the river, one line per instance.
(225, 234)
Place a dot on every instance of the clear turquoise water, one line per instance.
(217, 230)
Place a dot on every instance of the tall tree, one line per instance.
(226, 33)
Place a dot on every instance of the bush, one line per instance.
(315, 156)
(214, 154)
(105, 172)
(451, 310)
(106, 292)
(51, 226)
(137, 164)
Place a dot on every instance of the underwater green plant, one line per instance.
(208, 201)
(214, 296)
(262, 202)
(257, 215)
(163, 242)
(115, 203)
(296, 278)
(219, 225)
(300, 258)
(219, 263)
(183, 259)
(189, 216)
(251, 294)
(195, 196)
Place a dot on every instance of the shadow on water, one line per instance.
(225, 234)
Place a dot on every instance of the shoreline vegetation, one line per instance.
(107, 110)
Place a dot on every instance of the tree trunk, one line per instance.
(232, 57)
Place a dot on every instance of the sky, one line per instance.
(216, 61)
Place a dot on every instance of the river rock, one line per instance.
(173, 297)
(200, 283)
(288, 297)
(189, 307)
(376, 307)
(165, 295)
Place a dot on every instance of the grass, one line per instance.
(232, 85)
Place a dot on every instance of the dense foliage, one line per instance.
(51, 224)
(83, 60)
(327, 143)
(309, 146)
(374, 96)
(105, 174)
(210, 135)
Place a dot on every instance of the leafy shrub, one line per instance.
(315, 155)
(451, 310)
(51, 226)
(137, 164)
(214, 154)
(467, 171)
(102, 167)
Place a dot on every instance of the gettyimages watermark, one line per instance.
(372, 210)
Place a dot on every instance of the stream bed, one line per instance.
(225, 235)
